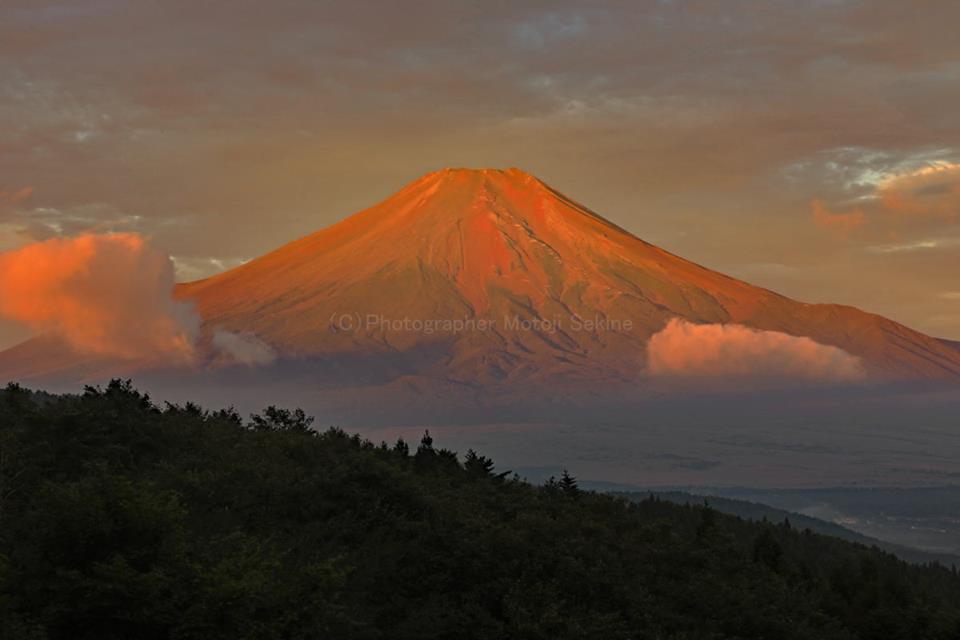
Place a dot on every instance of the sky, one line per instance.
(811, 148)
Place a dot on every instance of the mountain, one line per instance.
(488, 282)
(503, 248)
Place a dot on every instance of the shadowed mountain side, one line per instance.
(50, 360)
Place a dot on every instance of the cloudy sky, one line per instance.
(812, 148)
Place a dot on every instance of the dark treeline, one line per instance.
(121, 519)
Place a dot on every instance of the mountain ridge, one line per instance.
(487, 243)
(552, 295)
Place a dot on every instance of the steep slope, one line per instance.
(545, 288)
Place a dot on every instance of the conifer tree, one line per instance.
(568, 484)
(477, 465)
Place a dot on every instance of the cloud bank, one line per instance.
(110, 295)
(684, 349)
(106, 295)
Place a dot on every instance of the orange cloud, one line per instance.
(933, 191)
(842, 224)
(106, 295)
(14, 197)
(683, 349)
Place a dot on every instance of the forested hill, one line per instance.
(755, 511)
(119, 519)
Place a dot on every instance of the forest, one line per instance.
(123, 518)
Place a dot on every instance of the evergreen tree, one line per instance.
(426, 443)
(708, 521)
(281, 420)
(766, 550)
(477, 465)
(568, 484)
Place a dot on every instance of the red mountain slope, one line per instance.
(503, 248)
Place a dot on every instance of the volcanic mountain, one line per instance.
(480, 284)
(492, 278)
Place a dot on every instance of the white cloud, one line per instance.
(684, 349)
(243, 348)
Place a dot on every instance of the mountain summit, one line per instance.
(491, 277)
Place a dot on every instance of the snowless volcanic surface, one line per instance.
(488, 279)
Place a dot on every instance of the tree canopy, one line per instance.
(123, 519)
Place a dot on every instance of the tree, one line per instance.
(708, 521)
(426, 443)
(568, 484)
(476, 465)
(425, 459)
(767, 551)
(12, 467)
(274, 419)
(132, 522)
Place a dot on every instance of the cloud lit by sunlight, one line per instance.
(110, 295)
(841, 224)
(684, 349)
(107, 295)
(15, 196)
(931, 191)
